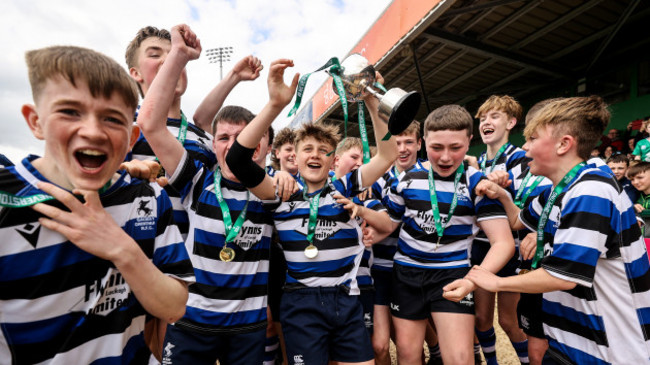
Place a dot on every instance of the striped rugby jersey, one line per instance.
(592, 239)
(514, 161)
(228, 296)
(337, 237)
(59, 304)
(364, 279)
(197, 142)
(384, 250)
(410, 202)
(542, 186)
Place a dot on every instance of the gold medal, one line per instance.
(311, 251)
(227, 254)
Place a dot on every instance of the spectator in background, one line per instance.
(613, 139)
(619, 164)
(595, 152)
(608, 152)
(642, 147)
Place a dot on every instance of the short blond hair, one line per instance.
(502, 103)
(348, 144)
(103, 75)
(584, 118)
(325, 133)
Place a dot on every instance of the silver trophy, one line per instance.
(397, 105)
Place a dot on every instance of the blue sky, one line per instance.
(308, 31)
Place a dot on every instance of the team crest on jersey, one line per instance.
(145, 208)
(107, 294)
(324, 228)
(462, 192)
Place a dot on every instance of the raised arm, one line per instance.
(386, 150)
(239, 157)
(247, 69)
(152, 117)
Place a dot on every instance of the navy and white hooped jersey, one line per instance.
(592, 239)
(228, 296)
(60, 304)
(410, 203)
(337, 237)
(514, 161)
(197, 143)
(543, 185)
(384, 250)
(364, 278)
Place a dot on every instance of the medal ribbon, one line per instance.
(313, 210)
(494, 161)
(521, 199)
(231, 230)
(539, 252)
(440, 229)
(363, 133)
(12, 201)
(182, 131)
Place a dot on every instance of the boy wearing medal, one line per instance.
(592, 267)
(229, 235)
(524, 189)
(497, 116)
(87, 253)
(441, 215)
(320, 313)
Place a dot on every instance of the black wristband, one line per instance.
(241, 164)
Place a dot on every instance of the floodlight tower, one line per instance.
(220, 55)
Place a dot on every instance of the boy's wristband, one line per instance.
(240, 162)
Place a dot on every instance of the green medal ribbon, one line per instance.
(521, 199)
(182, 131)
(539, 252)
(12, 201)
(313, 210)
(363, 133)
(231, 230)
(303, 81)
(496, 158)
(440, 229)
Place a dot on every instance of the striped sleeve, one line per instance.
(587, 217)
(170, 254)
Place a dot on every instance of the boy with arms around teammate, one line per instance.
(86, 268)
(497, 116)
(320, 313)
(593, 268)
(229, 234)
(441, 214)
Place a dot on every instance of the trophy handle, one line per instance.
(400, 107)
